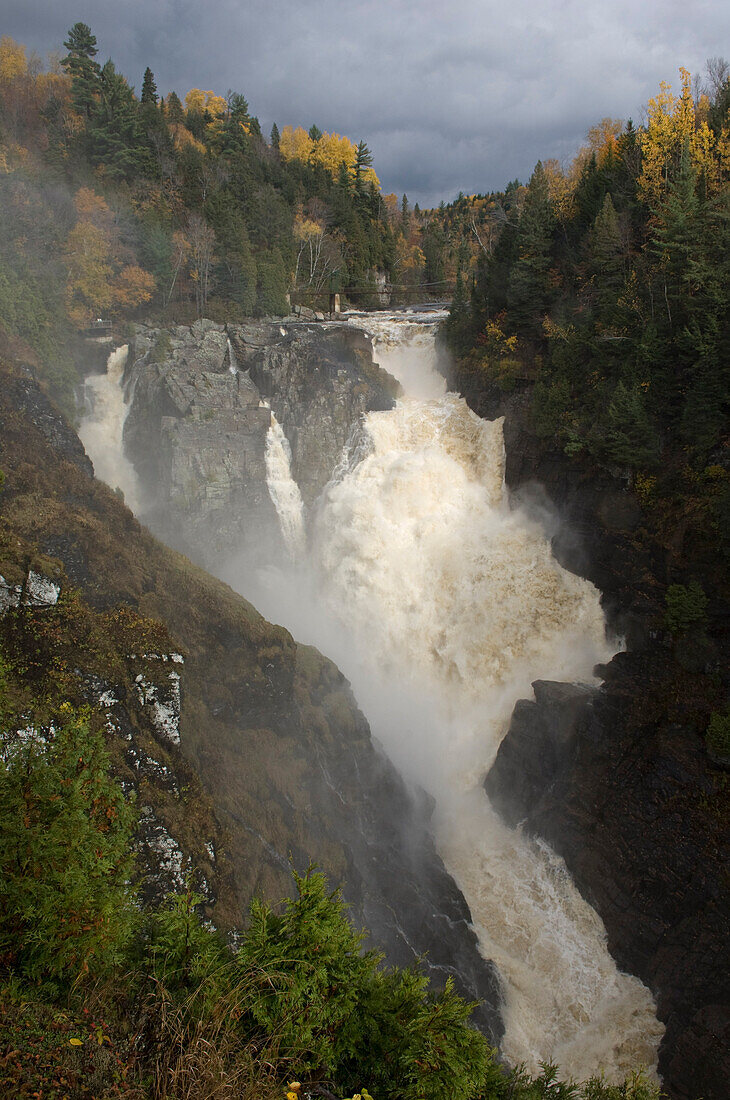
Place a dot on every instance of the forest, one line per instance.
(113, 203)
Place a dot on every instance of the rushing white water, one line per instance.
(102, 427)
(232, 362)
(284, 491)
(442, 605)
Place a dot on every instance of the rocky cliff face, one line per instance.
(197, 428)
(619, 780)
(319, 381)
(269, 735)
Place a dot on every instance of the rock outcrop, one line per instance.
(201, 409)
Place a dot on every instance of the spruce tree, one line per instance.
(174, 109)
(405, 216)
(528, 292)
(149, 88)
(114, 135)
(272, 285)
(606, 261)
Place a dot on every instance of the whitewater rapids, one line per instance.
(442, 604)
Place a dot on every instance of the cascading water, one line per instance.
(232, 362)
(442, 605)
(284, 491)
(101, 428)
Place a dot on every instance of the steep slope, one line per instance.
(269, 727)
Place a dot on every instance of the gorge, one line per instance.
(440, 602)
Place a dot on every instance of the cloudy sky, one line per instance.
(449, 94)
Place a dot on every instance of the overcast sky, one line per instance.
(451, 95)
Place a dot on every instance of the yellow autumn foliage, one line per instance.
(295, 144)
(13, 62)
(182, 137)
(200, 101)
(330, 151)
(98, 278)
(305, 229)
(670, 125)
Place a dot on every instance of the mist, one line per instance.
(440, 601)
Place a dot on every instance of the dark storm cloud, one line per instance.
(457, 96)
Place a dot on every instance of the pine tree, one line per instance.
(275, 137)
(363, 161)
(81, 67)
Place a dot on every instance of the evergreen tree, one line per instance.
(528, 294)
(271, 285)
(631, 439)
(80, 65)
(275, 137)
(149, 88)
(114, 135)
(65, 858)
(236, 126)
(590, 192)
(606, 260)
(174, 110)
(363, 161)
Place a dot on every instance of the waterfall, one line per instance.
(232, 361)
(283, 490)
(101, 428)
(442, 604)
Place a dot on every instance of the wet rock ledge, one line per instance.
(196, 430)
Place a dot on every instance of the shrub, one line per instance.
(65, 862)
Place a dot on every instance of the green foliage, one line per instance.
(314, 973)
(686, 608)
(80, 65)
(528, 286)
(65, 829)
(631, 439)
(271, 286)
(717, 737)
(149, 88)
(189, 959)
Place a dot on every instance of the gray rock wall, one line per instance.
(196, 430)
